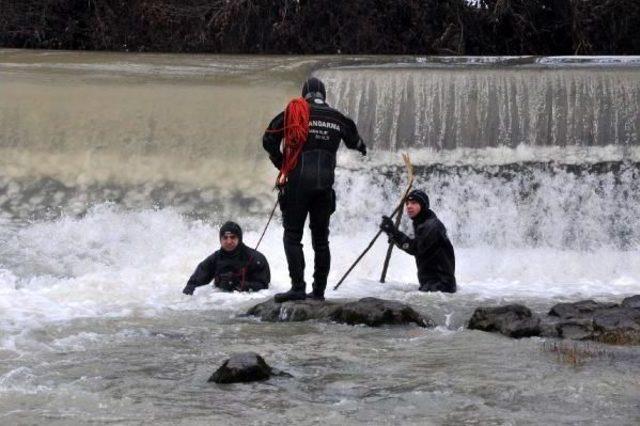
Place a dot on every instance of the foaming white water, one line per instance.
(113, 263)
(489, 273)
(108, 263)
(515, 206)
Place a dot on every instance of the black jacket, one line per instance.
(327, 127)
(243, 269)
(433, 251)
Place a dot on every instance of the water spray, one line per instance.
(398, 211)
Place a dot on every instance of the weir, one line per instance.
(550, 147)
(424, 106)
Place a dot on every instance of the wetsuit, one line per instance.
(433, 251)
(243, 269)
(308, 190)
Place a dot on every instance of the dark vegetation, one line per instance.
(454, 27)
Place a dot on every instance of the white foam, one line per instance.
(21, 380)
(114, 263)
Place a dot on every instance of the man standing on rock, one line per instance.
(302, 142)
(431, 246)
(235, 267)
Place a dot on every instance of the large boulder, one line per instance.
(244, 367)
(368, 311)
(511, 320)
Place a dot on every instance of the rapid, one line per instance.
(116, 171)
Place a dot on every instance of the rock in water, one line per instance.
(368, 311)
(298, 310)
(575, 328)
(583, 320)
(632, 302)
(241, 368)
(581, 309)
(617, 325)
(511, 320)
(376, 312)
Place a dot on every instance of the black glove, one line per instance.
(228, 281)
(362, 148)
(388, 226)
(189, 289)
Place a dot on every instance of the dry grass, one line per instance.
(626, 338)
(576, 353)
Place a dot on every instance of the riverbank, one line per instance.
(445, 27)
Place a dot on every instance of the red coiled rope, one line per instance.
(296, 129)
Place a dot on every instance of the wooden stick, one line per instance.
(387, 258)
(362, 254)
(396, 211)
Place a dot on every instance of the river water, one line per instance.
(116, 171)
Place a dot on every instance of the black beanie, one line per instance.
(313, 87)
(231, 227)
(421, 197)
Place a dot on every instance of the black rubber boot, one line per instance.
(318, 292)
(296, 293)
(313, 296)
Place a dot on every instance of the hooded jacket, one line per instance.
(433, 251)
(243, 269)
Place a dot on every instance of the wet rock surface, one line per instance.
(632, 302)
(245, 367)
(584, 320)
(581, 309)
(369, 311)
(510, 320)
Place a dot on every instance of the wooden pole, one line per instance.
(398, 211)
(387, 258)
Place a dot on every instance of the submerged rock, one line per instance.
(583, 320)
(244, 367)
(368, 311)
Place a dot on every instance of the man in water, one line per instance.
(235, 267)
(309, 187)
(430, 245)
